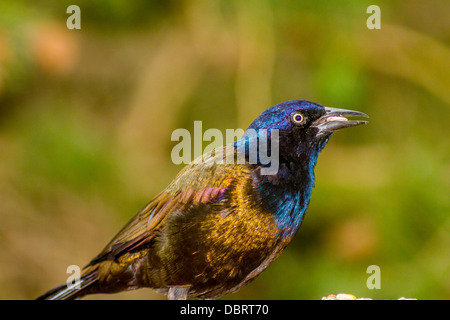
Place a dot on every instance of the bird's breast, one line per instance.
(218, 249)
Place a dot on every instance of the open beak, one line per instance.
(335, 119)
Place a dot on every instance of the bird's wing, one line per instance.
(199, 182)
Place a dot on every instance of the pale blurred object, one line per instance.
(54, 47)
(347, 296)
(339, 296)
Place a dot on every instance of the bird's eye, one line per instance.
(297, 118)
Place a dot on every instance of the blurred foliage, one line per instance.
(86, 118)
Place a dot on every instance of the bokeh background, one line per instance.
(86, 118)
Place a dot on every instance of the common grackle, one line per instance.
(219, 225)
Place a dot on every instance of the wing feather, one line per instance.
(205, 182)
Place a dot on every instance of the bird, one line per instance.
(219, 224)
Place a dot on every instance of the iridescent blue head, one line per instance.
(304, 127)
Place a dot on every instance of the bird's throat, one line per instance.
(287, 194)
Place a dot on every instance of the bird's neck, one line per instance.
(287, 193)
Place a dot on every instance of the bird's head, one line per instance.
(304, 127)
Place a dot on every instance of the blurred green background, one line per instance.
(86, 118)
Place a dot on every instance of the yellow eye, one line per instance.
(297, 118)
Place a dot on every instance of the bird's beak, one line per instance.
(335, 119)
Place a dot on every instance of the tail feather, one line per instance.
(64, 292)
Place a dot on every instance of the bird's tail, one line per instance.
(65, 292)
